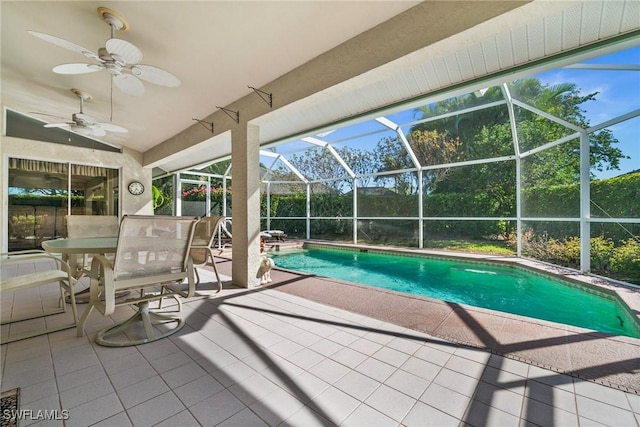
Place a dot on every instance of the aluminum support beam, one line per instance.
(585, 204)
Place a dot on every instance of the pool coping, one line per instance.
(582, 353)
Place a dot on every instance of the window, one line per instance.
(42, 193)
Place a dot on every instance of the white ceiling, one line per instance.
(218, 48)
(504, 45)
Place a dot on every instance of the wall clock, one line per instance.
(136, 188)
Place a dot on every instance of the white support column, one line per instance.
(416, 163)
(207, 202)
(69, 193)
(516, 150)
(268, 205)
(177, 195)
(224, 196)
(224, 190)
(246, 205)
(519, 233)
(420, 210)
(585, 204)
(355, 211)
(308, 211)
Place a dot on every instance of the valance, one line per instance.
(42, 166)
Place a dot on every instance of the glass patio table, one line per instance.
(76, 246)
(88, 245)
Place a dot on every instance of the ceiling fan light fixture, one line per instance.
(114, 69)
(104, 55)
(84, 124)
(118, 57)
(113, 19)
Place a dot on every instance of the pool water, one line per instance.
(501, 288)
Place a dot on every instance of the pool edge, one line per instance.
(627, 294)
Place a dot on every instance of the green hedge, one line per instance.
(617, 196)
(59, 200)
(614, 195)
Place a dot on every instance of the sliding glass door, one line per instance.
(42, 193)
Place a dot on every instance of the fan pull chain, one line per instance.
(111, 97)
(111, 87)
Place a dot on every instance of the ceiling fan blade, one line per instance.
(98, 132)
(58, 125)
(155, 75)
(85, 119)
(125, 50)
(77, 68)
(81, 130)
(129, 84)
(63, 43)
(110, 127)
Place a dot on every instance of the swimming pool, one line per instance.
(503, 288)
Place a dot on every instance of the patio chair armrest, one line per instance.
(31, 255)
(62, 271)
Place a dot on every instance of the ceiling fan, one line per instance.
(119, 57)
(82, 123)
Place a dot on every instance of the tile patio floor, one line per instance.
(273, 357)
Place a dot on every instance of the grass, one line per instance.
(490, 247)
(474, 246)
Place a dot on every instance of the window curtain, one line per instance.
(41, 166)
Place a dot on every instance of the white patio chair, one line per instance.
(23, 270)
(83, 226)
(202, 245)
(151, 255)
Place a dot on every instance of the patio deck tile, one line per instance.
(445, 400)
(85, 393)
(391, 402)
(197, 390)
(421, 412)
(155, 410)
(292, 354)
(140, 392)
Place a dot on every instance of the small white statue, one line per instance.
(264, 270)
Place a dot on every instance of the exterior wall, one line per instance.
(129, 162)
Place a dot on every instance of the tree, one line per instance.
(487, 133)
(361, 162)
(392, 156)
(320, 164)
(433, 148)
(463, 126)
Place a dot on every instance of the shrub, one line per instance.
(601, 251)
(625, 261)
(24, 225)
(564, 252)
(620, 262)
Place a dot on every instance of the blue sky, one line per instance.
(618, 93)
